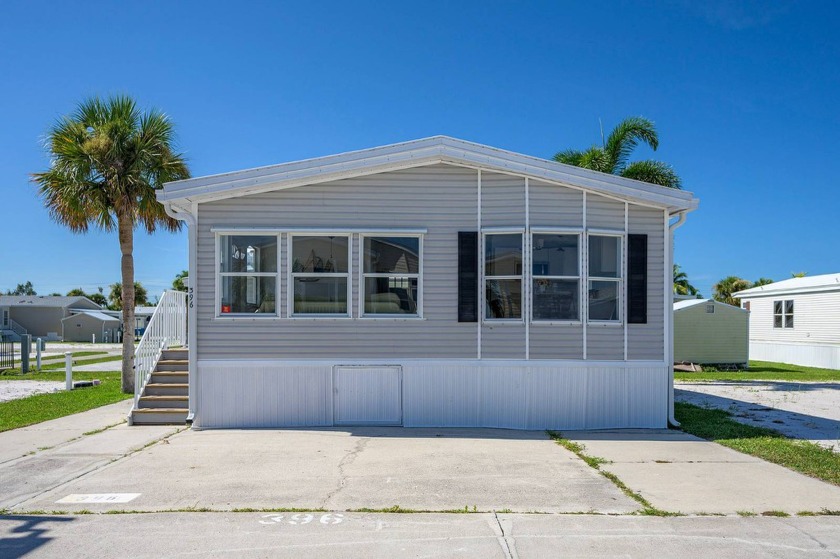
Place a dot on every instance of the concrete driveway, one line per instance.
(337, 469)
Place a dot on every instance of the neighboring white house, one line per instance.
(430, 283)
(795, 321)
(710, 333)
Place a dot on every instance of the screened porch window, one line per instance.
(503, 276)
(391, 275)
(247, 274)
(320, 274)
(556, 277)
(604, 278)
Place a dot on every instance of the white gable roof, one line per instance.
(418, 153)
(808, 284)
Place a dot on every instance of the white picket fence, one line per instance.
(167, 328)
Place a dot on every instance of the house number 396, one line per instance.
(298, 519)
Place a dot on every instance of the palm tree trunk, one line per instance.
(126, 234)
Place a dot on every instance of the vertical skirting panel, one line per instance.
(440, 393)
(826, 356)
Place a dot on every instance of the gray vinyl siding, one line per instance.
(443, 200)
(647, 341)
(554, 206)
(556, 341)
(39, 321)
(604, 213)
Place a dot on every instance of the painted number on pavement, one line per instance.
(301, 518)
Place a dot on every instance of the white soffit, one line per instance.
(418, 153)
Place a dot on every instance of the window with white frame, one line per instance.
(604, 278)
(247, 274)
(391, 275)
(783, 314)
(555, 263)
(503, 271)
(320, 272)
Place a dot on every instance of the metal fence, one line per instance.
(7, 353)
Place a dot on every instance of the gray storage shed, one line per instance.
(709, 332)
(83, 325)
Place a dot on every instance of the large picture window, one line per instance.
(320, 271)
(247, 274)
(604, 278)
(503, 276)
(783, 314)
(391, 275)
(556, 277)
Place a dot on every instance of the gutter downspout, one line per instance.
(670, 349)
(191, 220)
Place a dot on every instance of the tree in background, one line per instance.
(681, 283)
(23, 289)
(106, 161)
(798, 274)
(98, 298)
(762, 281)
(178, 282)
(723, 290)
(116, 299)
(613, 155)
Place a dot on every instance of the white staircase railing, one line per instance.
(167, 328)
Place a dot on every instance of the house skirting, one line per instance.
(826, 356)
(432, 393)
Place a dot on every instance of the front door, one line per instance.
(367, 395)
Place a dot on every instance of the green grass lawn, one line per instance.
(58, 365)
(43, 407)
(763, 370)
(718, 426)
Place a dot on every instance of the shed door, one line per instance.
(368, 395)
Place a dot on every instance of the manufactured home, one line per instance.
(40, 316)
(436, 282)
(710, 333)
(795, 321)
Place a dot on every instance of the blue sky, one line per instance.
(744, 94)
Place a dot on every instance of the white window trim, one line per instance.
(578, 278)
(621, 236)
(219, 275)
(522, 278)
(363, 276)
(290, 276)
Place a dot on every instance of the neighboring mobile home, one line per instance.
(430, 283)
(90, 326)
(795, 321)
(40, 316)
(710, 333)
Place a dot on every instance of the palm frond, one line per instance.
(625, 137)
(654, 172)
(569, 157)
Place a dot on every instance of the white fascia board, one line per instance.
(429, 151)
(750, 294)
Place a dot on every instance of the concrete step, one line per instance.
(172, 365)
(164, 401)
(160, 377)
(159, 416)
(166, 389)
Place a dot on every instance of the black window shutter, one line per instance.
(637, 279)
(467, 276)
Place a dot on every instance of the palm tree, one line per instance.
(724, 289)
(612, 156)
(141, 296)
(178, 282)
(106, 160)
(762, 281)
(681, 284)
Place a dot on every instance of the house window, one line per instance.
(247, 274)
(391, 275)
(556, 277)
(503, 276)
(783, 314)
(320, 271)
(604, 278)
(710, 309)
